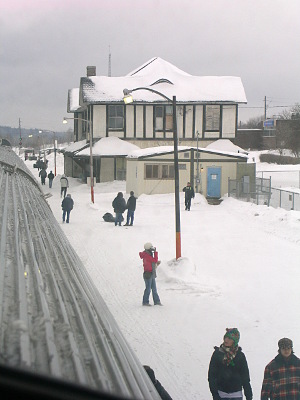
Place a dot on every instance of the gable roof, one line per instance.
(161, 150)
(109, 146)
(164, 77)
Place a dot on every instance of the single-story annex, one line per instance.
(151, 170)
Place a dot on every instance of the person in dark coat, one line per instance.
(43, 175)
(67, 205)
(50, 177)
(189, 195)
(119, 205)
(282, 374)
(164, 395)
(131, 205)
(228, 370)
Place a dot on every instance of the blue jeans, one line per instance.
(150, 285)
(68, 216)
(118, 219)
(130, 217)
(50, 183)
(63, 191)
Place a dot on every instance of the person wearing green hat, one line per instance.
(228, 372)
(282, 374)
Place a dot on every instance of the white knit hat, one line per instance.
(148, 246)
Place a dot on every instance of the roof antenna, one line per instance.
(109, 62)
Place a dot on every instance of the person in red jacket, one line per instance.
(282, 374)
(150, 262)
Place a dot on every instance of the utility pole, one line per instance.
(20, 141)
(109, 62)
(265, 101)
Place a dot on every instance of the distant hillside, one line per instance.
(32, 137)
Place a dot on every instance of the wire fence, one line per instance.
(262, 193)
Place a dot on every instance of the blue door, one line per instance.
(214, 182)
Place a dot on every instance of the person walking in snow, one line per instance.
(282, 374)
(150, 263)
(164, 395)
(64, 184)
(119, 205)
(50, 177)
(189, 195)
(228, 370)
(131, 205)
(43, 175)
(67, 206)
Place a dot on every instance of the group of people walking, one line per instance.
(228, 373)
(43, 176)
(67, 202)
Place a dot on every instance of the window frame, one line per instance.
(214, 119)
(164, 117)
(165, 171)
(113, 116)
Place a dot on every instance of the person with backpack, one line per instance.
(119, 205)
(64, 184)
(43, 175)
(67, 206)
(150, 263)
(50, 177)
(131, 205)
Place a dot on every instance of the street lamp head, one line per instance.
(127, 96)
(65, 120)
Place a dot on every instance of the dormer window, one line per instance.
(163, 80)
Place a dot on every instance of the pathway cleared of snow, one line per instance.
(240, 267)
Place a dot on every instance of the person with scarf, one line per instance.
(282, 374)
(228, 370)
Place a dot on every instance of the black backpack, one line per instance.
(108, 217)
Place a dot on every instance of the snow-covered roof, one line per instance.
(151, 151)
(226, 145)
(164, 77)
(109, 146)
(76, 146)
(73, 100)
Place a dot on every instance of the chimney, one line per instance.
(91, 71)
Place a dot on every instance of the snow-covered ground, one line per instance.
(239, 268)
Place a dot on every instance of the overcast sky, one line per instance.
(45, 46)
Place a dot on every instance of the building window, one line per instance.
(116, 117)
(159, 171)
(212, 118)
(163, 118)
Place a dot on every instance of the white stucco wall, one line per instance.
(99, 121)
(129, 121)
(149, 121)
(229, 122)
(189, 115)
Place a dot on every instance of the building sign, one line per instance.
(270, 124)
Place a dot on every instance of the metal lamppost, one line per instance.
(128, 99)
(91, 151)
(55, 147)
